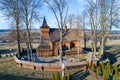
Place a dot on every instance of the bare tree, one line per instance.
(76, 22)
(94, 23)
(60, 10)
(84, 25)
(79, 31)
(11, 8)
(13, 33)
(102, 17)
(109, 11)
(29, 13)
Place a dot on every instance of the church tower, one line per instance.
(45, 29)
(44, 48)
(45, 37)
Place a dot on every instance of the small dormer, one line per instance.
(45, 29)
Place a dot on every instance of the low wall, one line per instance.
(98, 77)
(48, 67)
(37, 66)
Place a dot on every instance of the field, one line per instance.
(14, 45)
(9, 70)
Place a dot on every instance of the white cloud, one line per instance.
(2, 19)
(3, 22)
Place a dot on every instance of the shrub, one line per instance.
(64, 78)
(69, 76)
(102, 65)
(89, 66)
(116, 69)
(98, 70)
(93, 67)
(53, 77)
(106, 73)
(115, 77)
(57, 76)
(108, 67)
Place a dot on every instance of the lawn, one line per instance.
(9, 70)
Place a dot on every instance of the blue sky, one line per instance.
(76, 6)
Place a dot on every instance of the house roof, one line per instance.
(69, 35)
(43, 48)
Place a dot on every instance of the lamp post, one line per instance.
(63, 69)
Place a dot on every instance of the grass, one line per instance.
(114, 54)
(14, 45)
(7, 46)
(9, 70)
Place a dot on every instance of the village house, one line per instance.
(49, 41)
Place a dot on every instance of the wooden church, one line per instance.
(49, 41)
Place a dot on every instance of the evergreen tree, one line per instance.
(115, 77)
(64, 78)
(53, 77)
(93, 67)
(57, 76)
(102, 65)
(106, 73)
(108, 67)
(69, 76)
(98, 70)
(89, 66)
(116, 69)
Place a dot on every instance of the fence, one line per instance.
(49, 67)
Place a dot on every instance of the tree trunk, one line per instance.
(18, 39)
(92, 49)
(102, 46)
(95, 41)
(78, 50)
(28, 37)
(28, 51)
(29, 44)
(61, 39)
(84, 40)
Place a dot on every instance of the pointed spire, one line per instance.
(44, 25)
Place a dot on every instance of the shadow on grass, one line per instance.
(20, 77)
(110, 56)
(112, 53)
(108, 47)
